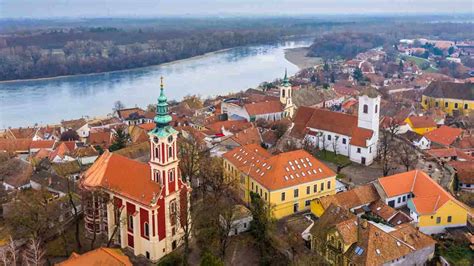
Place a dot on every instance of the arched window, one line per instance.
(170, 152)
(146, 229)
(366, 109)
(376, 108)
(157, 153)
(158, 177)
(283, 93)
(171, 175)
(130, 222)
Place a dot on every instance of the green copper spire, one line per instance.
(286, 82)
(162, 117)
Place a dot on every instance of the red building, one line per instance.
(141, 206)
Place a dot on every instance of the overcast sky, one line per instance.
(94, 8)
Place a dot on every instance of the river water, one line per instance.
(26, 103)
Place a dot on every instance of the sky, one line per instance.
(155, 8)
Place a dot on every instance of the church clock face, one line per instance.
(170, 139)
(155, 139)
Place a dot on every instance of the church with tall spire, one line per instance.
(286, 94)
(141, 206)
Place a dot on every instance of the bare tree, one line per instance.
(189, 152)
(386, 155)
(407, 155)
(185, 220)
(77, 218)
(227, 215)
(118, 105)
(34, 253)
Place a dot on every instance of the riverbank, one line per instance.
(117, 71)
(297, 56)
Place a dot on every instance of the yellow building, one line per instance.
(421, 124)
(287, 181)
(449, 96)
(431, 207)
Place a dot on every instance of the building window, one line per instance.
(295, 193)
(130, 222)
(358, 150)
(376, 108)
(436, 104)
(426, 102)
(329, 137)
(252, 186)
(446, 104)
(450, 219)
(283, 196)
(147, 230)
(306, 203)
(242, 179)
(344, 141)
(399, 200)
(366, 109)
(283, 93)
(329, 184)
(321, 187)
(466, 106)
(456, 105)
(315, 188)
(265, 195)
(147, 254)
(308, 189)
(170, 152)
(438, 220)
(256, 189)
(404, 198)
(171, 174)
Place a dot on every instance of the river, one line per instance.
(48, 101)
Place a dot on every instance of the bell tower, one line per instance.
(286, 94)
(163, 148)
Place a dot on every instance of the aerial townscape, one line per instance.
(236, 133)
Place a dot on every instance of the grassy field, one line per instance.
(419, 62)
(332, 157)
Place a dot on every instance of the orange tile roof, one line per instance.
(450, 152)
(100, 138)
(465, 171)
(42, 153)
(100, 256)
(352, 198)
(279, 171)
(444, 135)
(429, 195)
(260, 108)
(123, 176)
(247, 136)
(60, 151)
(422, 121)
(148, 126)
(14, 145)
(46, 144)
(22, 133)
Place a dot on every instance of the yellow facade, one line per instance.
(283, 201)
(448, 215)
(419, 130)
(447, 105)
(317, 208)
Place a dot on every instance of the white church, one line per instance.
(353, 136)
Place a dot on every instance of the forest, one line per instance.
(32, 49)
(28, 52)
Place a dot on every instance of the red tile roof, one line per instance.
(46, 144)
(123, 176)
(444, 135)
(279, 171)
(230, 125)
(429, 195)
(344, 124)
(260, 108)
(247, 136)
(103, 139)
(422, 121)
(15, 145)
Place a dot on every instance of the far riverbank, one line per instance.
(297, 56)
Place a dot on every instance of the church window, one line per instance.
(130, 222)
(157, 153)
(366, 109)
(344, 141)
(376, 108)
(170, 152)
(171, 175)
(283, 93)
(146, 229)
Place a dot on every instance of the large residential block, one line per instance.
(449, 97)
(288, 181)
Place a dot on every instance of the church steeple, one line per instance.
(286, 81)
(162, 118)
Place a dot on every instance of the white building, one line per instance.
(239, 221)
(353, 136)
